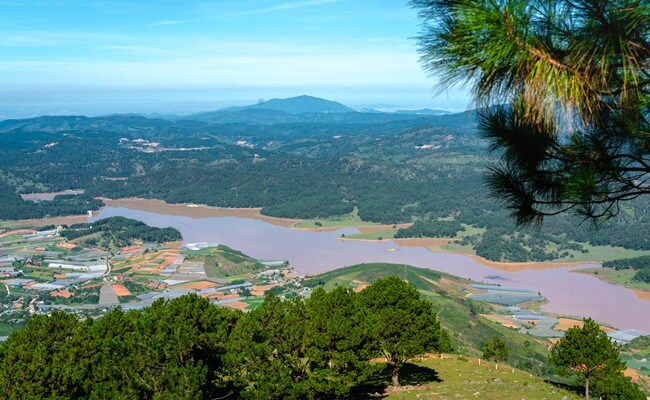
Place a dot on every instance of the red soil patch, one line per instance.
(199, 285)
(501, 320)
(258, 291)
(18, 232)
(360, 287)
(222, 296)
(516, 267)
(75, 219)
(237, 305)
(65, 293)
(90, 286)
(632, 374)
(157, 285)
(121, 290)
(565, 323)
(195, 211)
(423, 242)
(642, 294)
(379, 228)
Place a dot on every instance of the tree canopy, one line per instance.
(404, 324)
(589, 354)
(188, 348)
(576, 77)
(495, 349)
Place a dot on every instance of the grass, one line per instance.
(8, 329)
(224, 262)
(603, 253)
(385, 234)
(454, 378)
(368, 273)
(341, 221)
(253, 302)
(621, 277)
(458, 315)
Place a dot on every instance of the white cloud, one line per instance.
(283, 7)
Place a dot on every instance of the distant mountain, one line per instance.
(423, 111)
(297, 105)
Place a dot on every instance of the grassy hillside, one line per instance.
(460, 316)
(224, 262)
(459, 378)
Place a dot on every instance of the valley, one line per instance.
(274, 202)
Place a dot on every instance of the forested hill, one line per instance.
(296, 105)
(116, 232)
(387, 167)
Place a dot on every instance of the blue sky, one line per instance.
(99, 56)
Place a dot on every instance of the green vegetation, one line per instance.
(494, 349)
(386, 234)
(588, 354)
(306, 173)
(14, 207)
(351, 276)
(623, 277)
(454, 377)
(431, 228)
(188, 348)
(636, 263)
(641, 265)
(557, 76)
(224, 262)
(458, 315)
(405, 322)
(116, 232)
(347, 220)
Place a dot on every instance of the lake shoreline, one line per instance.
(205, 211)
(642, 294)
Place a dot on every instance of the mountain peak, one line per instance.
(298, 105)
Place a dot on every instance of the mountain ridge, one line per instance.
(296, 105)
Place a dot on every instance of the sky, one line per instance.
(97, 57)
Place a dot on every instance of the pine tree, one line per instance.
(589, 354)
(576, 77)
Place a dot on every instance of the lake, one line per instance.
(568, 292)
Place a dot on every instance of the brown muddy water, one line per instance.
(568, 293)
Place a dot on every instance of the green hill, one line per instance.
(456, 377)
(460, 316)
(224, 262)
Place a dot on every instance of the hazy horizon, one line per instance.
(100, 57)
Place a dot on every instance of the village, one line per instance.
(41, 271)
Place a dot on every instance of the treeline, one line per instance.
(319, 348)
(520, 246)
(12, 206)
(119, 232)
(319, 206)
(641, 264)
(430, 228)
(297, 170)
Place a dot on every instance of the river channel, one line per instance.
(568, 292)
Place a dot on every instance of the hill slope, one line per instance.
(297, 105)
(460, 316)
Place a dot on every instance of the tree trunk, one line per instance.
(587, 388)
(395, 375)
